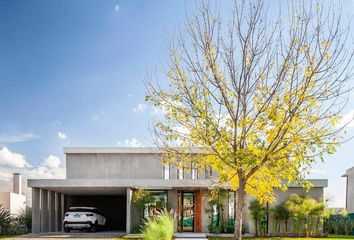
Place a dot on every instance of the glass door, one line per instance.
(185, 211)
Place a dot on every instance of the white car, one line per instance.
(83, 218)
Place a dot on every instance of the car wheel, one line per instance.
(94, 227)
(66, 229)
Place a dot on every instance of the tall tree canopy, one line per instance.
(260, 95)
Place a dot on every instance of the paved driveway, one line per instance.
(73, 235)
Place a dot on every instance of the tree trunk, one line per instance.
(240, 202)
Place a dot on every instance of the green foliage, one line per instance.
(25, 218)
(159, 227)
(214, 229)
(339, 223)
(137, 228)
(258, 213)
(216, 197)
(307, 213)
(141, 197)
(5, 220)
(281, 214)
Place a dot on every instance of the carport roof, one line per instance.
(119, 185)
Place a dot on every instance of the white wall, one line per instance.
(17, 203)
(13, 202)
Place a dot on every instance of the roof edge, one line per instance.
(136, 150)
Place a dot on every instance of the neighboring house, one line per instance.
(349, 192)
(14, 201)
(106, 178)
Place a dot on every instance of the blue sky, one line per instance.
(71, 74)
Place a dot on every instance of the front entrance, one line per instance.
(185, 211)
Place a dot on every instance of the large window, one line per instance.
(166, 171)
(208, 172)
(180, 173)
(194, 171)
(159, 202)
(231, 207)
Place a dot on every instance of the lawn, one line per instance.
(332, 237)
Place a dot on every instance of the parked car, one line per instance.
(82, 218)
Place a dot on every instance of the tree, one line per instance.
(258, 213)
(141, 197)
(260, 97)
(280, 214)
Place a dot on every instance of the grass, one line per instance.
(332, 237)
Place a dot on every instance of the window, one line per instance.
(166, 171)
(159, 202)
(194, 171)
(231, 207)
(180, 173)
(208, 172)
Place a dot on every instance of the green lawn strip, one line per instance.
(332, 237)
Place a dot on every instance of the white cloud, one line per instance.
(51, 162)
(97, 116)
(347, 120)
(116, 8)
(61, 135)
(56, 123)
(11, 159)
(141, 107)
(133, 142)
(15, 138)
(158, 110)
(317, 171)
(50, 167)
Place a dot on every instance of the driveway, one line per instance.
(72, 235)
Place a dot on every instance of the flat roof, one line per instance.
(136, 150)
(102, 185)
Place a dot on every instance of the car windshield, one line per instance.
(94, 210)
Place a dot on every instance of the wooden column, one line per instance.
(198, 211)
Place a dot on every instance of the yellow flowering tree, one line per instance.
(259, 97)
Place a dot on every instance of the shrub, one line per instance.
(258, 213)
(230, 226)
(159, 227)
(5, 220)
(339, 223)
(281, 215)
(214, 229)
(308, 214)
(25, 218)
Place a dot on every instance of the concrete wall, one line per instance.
(13, 202)
(105, 165)
(17, 203)
(5, 199)
(316, 193)
(120, 166)
(350, 192)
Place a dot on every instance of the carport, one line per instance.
(52, 198)
(113, 207)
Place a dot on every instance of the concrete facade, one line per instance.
(14, 201)
(100, 172)
(349, 198)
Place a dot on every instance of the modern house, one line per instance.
(106, 178)
(14, 201)
(349, 192)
